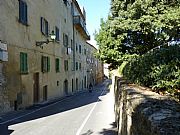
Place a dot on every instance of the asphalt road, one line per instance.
(82, 114)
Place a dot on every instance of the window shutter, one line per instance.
(46, 28)
(66, 40)
(25, 13)
(42, 64)
(21, 62)
(42, 24)
(79, 66)
(20, 10)
(76, 65)
(57, 65)
(48, 64)
(26, 63)
(63, 39)
(57, 34)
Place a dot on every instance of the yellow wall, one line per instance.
(22, 38)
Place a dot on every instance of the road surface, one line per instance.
(81, 114)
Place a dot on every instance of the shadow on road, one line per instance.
(89, 132)
(66, 104)
(110, 131)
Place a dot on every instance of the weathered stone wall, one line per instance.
(4, 103)
(140, 111)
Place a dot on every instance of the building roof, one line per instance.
(79, 9)
(91, 45)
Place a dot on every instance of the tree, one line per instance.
(137, 26)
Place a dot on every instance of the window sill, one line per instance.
(24, 73)
(57, 41)
(24, 23)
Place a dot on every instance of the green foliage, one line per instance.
(158, 69)
(137, 26)
(121, 67)
(132, 30)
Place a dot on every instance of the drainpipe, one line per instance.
(72, 12)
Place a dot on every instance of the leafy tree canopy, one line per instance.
(137, 26)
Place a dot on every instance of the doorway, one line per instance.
(36, 87)
(72, 85)
(66, 87)
(76, 84)
(45, 92)
(85, 82)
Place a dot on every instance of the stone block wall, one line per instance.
(140, 111)
(4, 102)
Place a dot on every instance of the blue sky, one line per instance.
(95, 10)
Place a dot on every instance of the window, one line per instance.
(65, 40)
(57, 33)
(44, 26)
(23, 12)
(23, 63)
(72, 66)
(79, 48)
(57, 65)
(79, 66)
(84, 51)
(65, 65)
(76, 83)
(65, 2)
(45, 64)
(72, 45)
(76, 47)
(45, 92)
(85, 82)
(76, 65)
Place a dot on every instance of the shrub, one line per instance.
(158, 69)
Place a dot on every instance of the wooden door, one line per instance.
(45, 93)
(36, 88)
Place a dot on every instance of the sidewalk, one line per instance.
(15, 115)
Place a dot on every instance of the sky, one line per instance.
(95, 10)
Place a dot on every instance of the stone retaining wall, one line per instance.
(140, 111)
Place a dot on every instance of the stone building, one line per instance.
(95, 72)
(34, 67)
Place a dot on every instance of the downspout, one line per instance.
(72, 12)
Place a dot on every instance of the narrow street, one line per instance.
(81, 114)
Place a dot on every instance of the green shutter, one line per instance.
(48, 64)
(20, 11)
(63, 39)
(57, 65)
(23, 63)
(26, 63)
(42, 64)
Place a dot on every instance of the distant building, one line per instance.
(35, 68)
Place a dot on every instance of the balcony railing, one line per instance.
(79, 21)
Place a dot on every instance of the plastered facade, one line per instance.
(17, 90)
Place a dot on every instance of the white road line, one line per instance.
(85, 121)
(31, 112)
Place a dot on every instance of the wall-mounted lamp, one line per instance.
(89, 71)
(52, 37)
